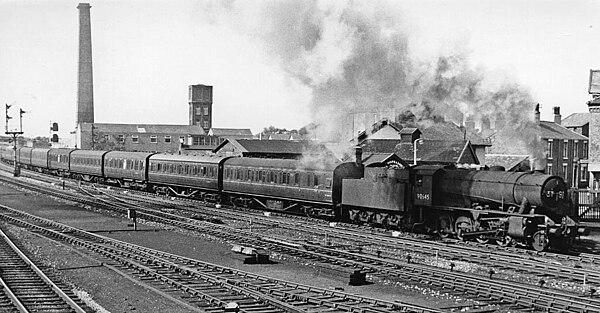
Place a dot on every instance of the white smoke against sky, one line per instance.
(359, 56)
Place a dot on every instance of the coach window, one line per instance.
(328, 183)
(158, 167)
(316, 180)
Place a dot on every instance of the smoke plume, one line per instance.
(356, 56)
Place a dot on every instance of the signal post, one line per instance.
(15, 134)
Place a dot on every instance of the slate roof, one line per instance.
(508, 161)
(271, 146)
(224, 132)
(380, 145)
(452, 132)
(144, 128)
(551, 130)
(442, 151)
(576, 120)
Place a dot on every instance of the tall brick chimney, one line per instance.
(537, 114)
(557, 116)
(85, 82)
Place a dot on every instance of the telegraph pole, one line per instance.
(14, 135)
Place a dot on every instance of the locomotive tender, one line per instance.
(507, 207)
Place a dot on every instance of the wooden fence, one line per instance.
(589, 205)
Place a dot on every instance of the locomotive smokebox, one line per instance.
(358, 154)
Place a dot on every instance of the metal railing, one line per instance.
(589, 205)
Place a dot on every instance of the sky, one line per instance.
(147, 53)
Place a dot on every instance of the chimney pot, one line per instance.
(557, 116)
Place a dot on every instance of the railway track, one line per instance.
(384, 244)
(522, 295)
(26, 287)
(218, 286)
(507, 293)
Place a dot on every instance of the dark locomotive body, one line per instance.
(508, 207)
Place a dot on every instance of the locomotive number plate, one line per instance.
(423, 196)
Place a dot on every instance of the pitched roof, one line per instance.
(453, 132)
(443, 151)
(380, 145)
(551, 130)
(508, 161)
(224, 132)
(576, 120)
(271, 146)
(144, 128)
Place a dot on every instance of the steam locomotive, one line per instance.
(506, 207)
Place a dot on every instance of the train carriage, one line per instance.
(87, 164)
(188, 176)
(278, 184)
(39, 158)
(7, 153)
(127, 168)
(59, 159)
(24, 156)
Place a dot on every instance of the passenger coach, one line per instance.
(187, 176)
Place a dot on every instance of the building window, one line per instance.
(549, 149)
(135, 139)
(181, 139)
(205, 109)
(565, 149)
(583, 175)
(198, 110)
(576, 149)
(565, 170)
(121, 138)
(205, 124)
(167, 138)
(584, 153)
(153, 139)
(549, 169)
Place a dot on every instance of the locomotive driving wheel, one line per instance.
(540, 241)
(505, 241)
(463, 225)
(444, 227)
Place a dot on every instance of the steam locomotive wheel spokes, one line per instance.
(540, 241)
(482, 239)
(505, 241)
(444, 225)
(463, 225)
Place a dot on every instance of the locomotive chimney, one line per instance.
(85, 83)
(537, 114)
(557, 117)
(358, 154)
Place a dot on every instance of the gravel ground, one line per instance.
(110, 292)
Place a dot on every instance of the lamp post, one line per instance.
(418, 141)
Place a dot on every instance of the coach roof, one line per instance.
(188, 158)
